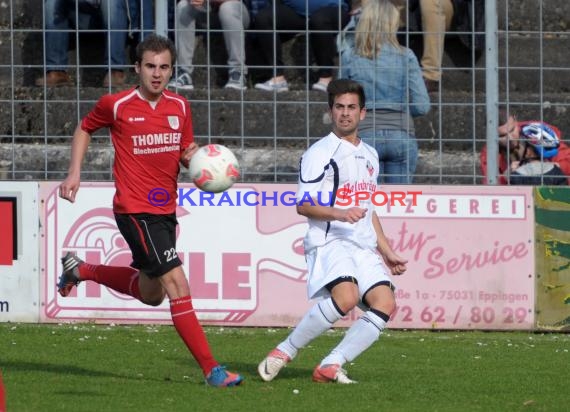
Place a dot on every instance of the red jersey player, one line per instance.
(151, 131)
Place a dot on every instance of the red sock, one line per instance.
(189, 329)
(123, 279)
(2, 396)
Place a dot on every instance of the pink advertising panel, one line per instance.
(470, 256)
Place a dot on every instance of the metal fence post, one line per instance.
(161, 17)
(492, 89)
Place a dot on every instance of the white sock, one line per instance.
(359, 337)
(317, 320)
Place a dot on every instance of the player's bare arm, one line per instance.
(69, 187)
(327, 214)
(187, 154)
(396, 263)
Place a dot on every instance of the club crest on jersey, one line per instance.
(369, 167)
(174, 122)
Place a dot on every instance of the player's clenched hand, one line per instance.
(397, 264)
(352, 215)
(188, 153)
(68, 189)
(398, 270)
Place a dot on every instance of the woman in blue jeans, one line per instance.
(394, 88)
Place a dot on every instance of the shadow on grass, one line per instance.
(19, 366)
(58, 369)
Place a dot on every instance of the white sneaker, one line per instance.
(236, 81)
(272, 364)
(271, 86)
(331, 373)
(182, 82)
(321, 87)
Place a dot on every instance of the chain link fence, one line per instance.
(269, 131)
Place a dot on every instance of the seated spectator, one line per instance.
(141, 24)
(232, 18)
(61, 16)
(436, 17)
(141, 19)
(538, 145)
(321, 19)
(510, 137)
(437, 20)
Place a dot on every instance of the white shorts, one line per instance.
(342, 258)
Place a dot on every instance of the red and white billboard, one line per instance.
(470, 251)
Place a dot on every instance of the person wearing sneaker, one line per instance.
(61, 15)
(283, 20)
(182, 82)
(349, 259)
(229, 16)
(143, 164)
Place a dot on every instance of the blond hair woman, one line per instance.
(394, 88)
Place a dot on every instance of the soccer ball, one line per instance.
(214, 168)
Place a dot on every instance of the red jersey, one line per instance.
(148, 144)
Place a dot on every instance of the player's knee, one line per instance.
(154, 300)
(347, 301)
(345, 294)
(387, 306)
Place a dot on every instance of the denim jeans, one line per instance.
(232, 18)
(61, 17)
(397, 152)
(142, 17)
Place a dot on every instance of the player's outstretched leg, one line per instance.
(70, 276)
(331, 373)
(123, 279)
(272, 364)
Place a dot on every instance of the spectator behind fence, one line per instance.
(538, 145)
(141, 24)
(435, 17)
(436, 20)
(392, 80)
(283, 20)
(230, 16)
(510, 136)
(61, 16)
(141, 19)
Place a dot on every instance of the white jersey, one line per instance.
(332, 171)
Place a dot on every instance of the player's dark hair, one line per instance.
(155, 43)
(344, 86)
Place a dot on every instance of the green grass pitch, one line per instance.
(87, 367)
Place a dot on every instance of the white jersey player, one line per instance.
(348, 256)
